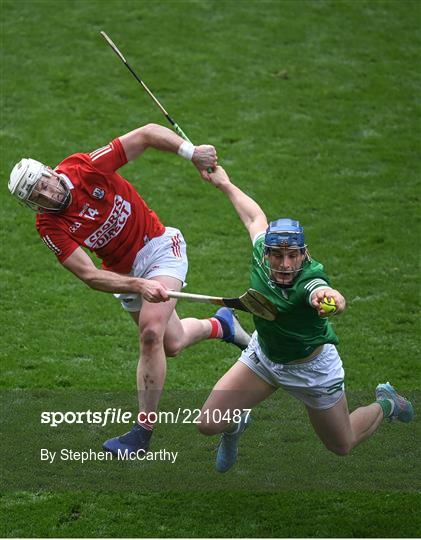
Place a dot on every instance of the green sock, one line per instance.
(387, 406)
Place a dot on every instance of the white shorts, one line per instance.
(318, 383)
(164, 255)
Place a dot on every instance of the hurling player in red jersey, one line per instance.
(85, 203)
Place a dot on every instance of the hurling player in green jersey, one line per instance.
(296, 351)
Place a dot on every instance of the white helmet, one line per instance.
(23, 179)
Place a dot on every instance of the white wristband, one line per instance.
(186, 150)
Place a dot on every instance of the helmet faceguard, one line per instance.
(285, 251)
(39, 187)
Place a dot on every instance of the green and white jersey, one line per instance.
(297, 330)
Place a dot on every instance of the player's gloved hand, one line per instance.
(204, 158)
(154, 291)
(320, 294)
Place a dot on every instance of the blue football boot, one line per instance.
(233, 331)
(135, 440)
(403, 409)
(228, 445)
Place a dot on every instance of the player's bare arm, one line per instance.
(249, 211)
(321, 293)
(80, 264)
(161, 138)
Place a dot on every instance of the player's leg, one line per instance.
(227, 410)
(240, 388)
(179, 334)
(151, 371)
(319, 384)
(321, 381)
(182, 333)
(340, 431)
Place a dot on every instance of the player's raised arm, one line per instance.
(161, 138)
(249, 211)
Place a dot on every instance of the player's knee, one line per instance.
(151, 337)
(173, 348)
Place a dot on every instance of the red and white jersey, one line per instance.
(106, 214)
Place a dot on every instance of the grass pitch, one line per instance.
(314, 109)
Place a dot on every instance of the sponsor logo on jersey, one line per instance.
(113, 226)
(98, 193)
(75, 226)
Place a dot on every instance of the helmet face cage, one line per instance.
(284, 236)
(25, 182)
(60, 197)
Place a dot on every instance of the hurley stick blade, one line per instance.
(259, 305)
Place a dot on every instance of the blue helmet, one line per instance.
(284, 232)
